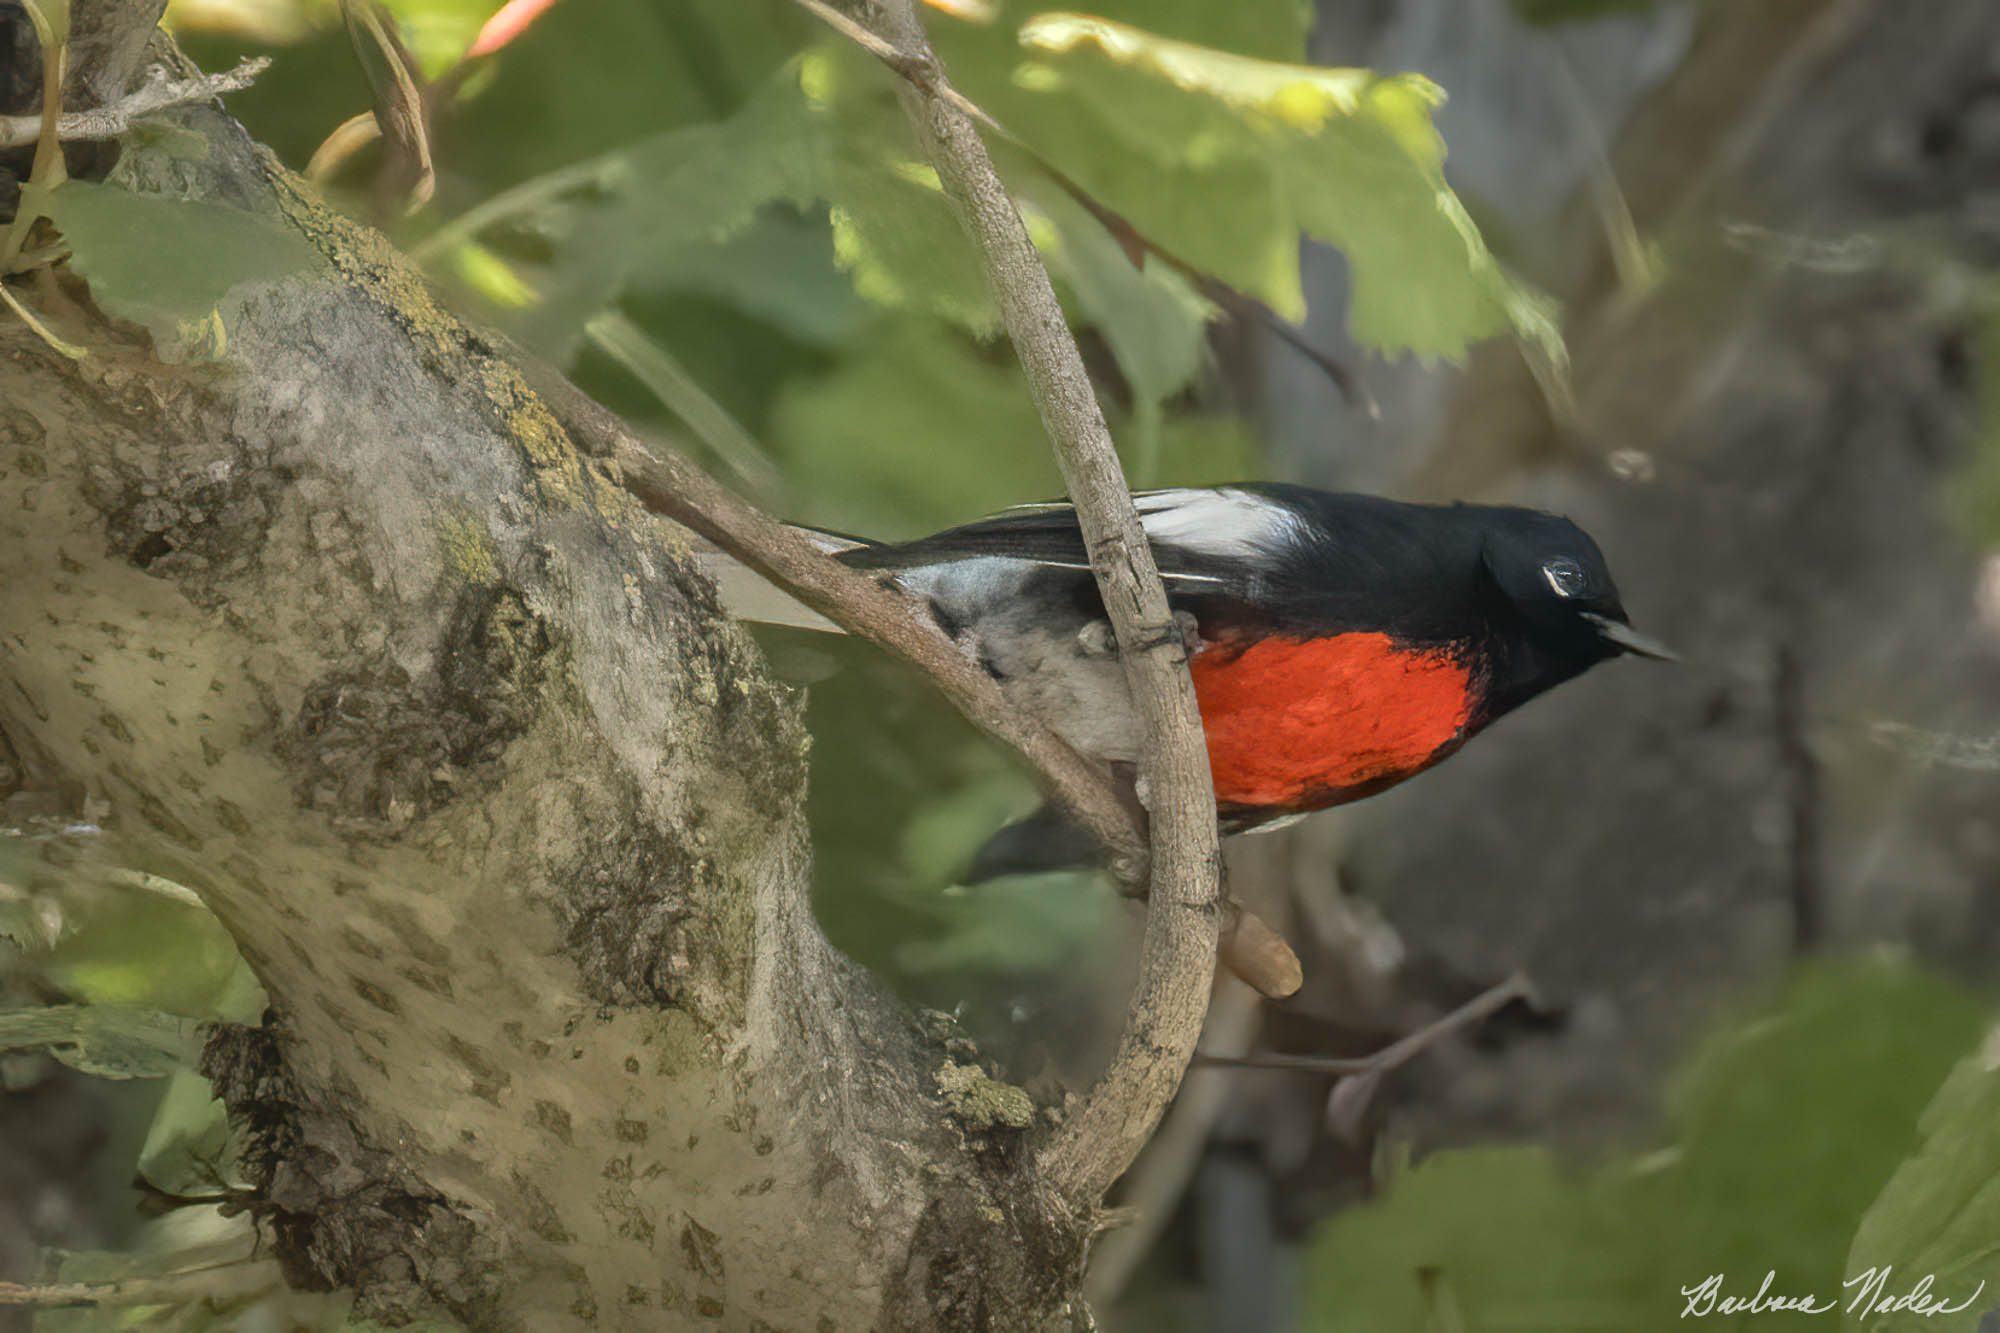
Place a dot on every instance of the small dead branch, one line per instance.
(1361, 1076)
(348, 138)
(234, 1280)
(1973, 754)
(1258, 954)
(1393, 1056)
(676, 489)
(158, 93)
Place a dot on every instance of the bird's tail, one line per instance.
(748, 595)
(1048, 839)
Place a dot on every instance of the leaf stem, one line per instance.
(40, 330)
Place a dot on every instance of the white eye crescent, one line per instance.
(1564, 576)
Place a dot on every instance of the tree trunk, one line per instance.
(349, 637)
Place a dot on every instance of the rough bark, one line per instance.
(505, 816)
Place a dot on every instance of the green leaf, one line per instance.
(1266, 29)
(147, 950)
(1197, 451)
(895, 233)
(658, 202)
(1226, 159)
(1027, 924)
(920, 430)
(1939, 1215)
(778, 269)
(1784, 1125)
(915, 432)
(590, 76)
(1154, 322)
(438, 31)
(187, 1147)
(1506, 1234)
(901, 241)
(1762, 1183)
(172, 265)
(106, 1040)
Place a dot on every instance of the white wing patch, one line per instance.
(1222, 522)
(1225, 522)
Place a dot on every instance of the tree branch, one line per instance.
(158, 93)
(1104, 1134)
(1391, 1057)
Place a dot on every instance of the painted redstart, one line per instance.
(1338, 643)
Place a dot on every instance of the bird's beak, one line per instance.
(1628, 640)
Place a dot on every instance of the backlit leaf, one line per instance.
(1233, 157)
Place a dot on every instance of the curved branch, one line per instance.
(1183, 926)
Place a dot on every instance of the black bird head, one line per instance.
(1558, 590)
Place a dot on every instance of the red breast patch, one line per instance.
(1294, 723)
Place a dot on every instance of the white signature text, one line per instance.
(1868, 1293)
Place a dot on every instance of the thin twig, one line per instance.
(157, 94)
(236, 1279)
(348, 138)
(1391, 1057)
(402, 111)
(1100, 1138)
(51, 23)
(39, 329)
(924, 74)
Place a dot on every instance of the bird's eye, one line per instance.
(1564, 576)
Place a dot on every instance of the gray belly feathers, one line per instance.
(1057, 669)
